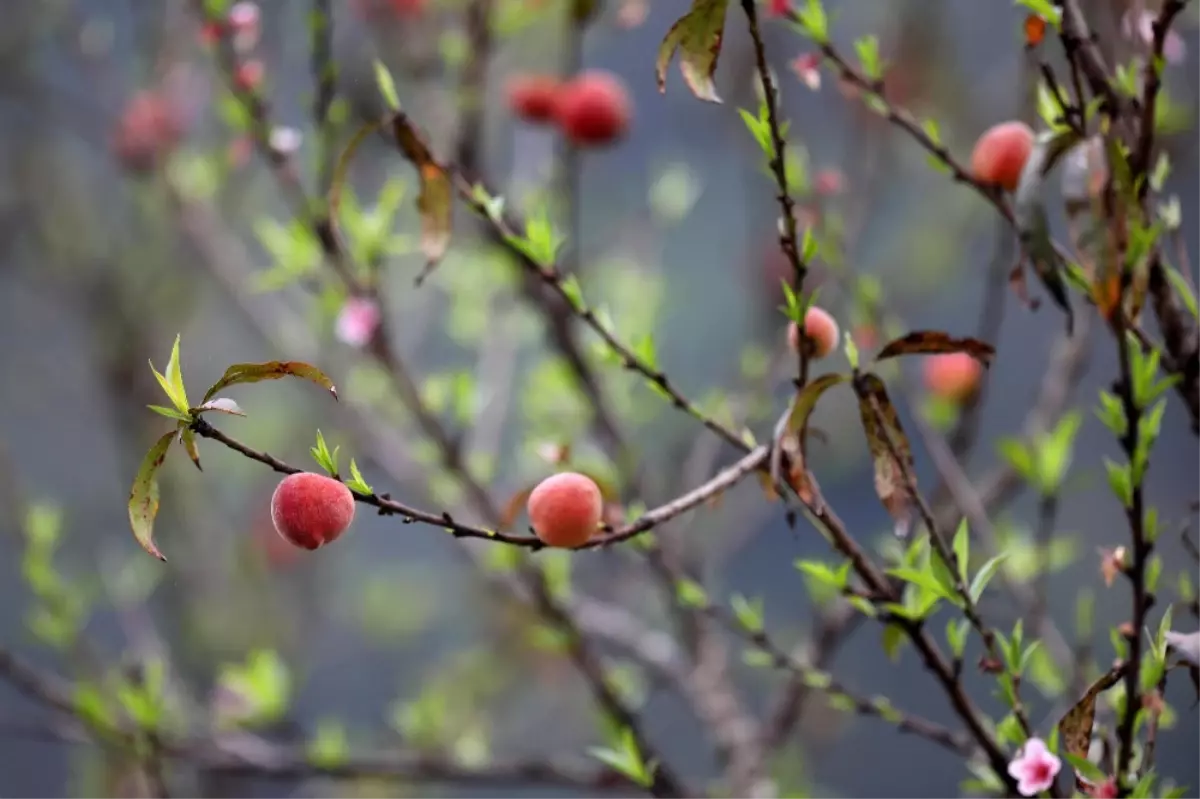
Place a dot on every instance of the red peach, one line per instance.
(1001, 153)
(311, 510)
(565, 509)
(820, 332)
(593, 109)
(953, 375)
(534, 98)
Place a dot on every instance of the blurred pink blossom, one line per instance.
(1100, 790)
(1034, 768)
(285, 140)
(244, 22)
(829, 181)
(1141, 27)
(779, 8)
(357, 322)
(806, 67)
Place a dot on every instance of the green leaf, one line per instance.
(985, 575)
(271, 370)
(170, 413)
(329, 747)
(749, 613)
(894, 637)
(697, 37)
(356, 481)
(173, 382)
(143, 498)
(690, 594)
(387, 86)
(956, 635)
(924, 580)
(1053, 452)
(1180, 284)
(1120, 480)
(187, 437)
(175, 375)
(813, 22)
(962, 550)
(325, 459)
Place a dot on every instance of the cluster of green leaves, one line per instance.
(255, 692)
(62, 606)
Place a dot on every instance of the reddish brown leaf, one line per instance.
(271, 370)
(880, 422)
(793, 441)
(435, 199)
(925, 342)
(1075, 729)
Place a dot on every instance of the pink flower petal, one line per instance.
(357, 322)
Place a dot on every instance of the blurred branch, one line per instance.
(325, 81)
(248, 754)
(817, 679)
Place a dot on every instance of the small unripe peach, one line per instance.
(954, 375)
(1001, 153)
(820, 332)
(565, 509)
(311, 510)
(593, 109)
(534, 98)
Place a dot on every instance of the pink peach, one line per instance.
(565, 509)
(820, 332)
(954, 376)
(311, 510)
(1001, 153)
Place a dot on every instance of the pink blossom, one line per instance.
(1142, 27)
(829, 181)
(285, 140)
(1099, 790)
(806, 68)
(357, 322)
(1034, 768)
(779, 8)
(243, 21)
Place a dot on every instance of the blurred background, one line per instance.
(135, 207)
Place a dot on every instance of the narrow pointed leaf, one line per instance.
(143, 497)
(188, 438)
(222, 405)
(170, 413)
(435, 199)
(169, 390)
(697, 37)
(793, 441)
(1075, 728)
(342, 167)
(271, 370)
(175, 376)
(926, 342)
(879, 420)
